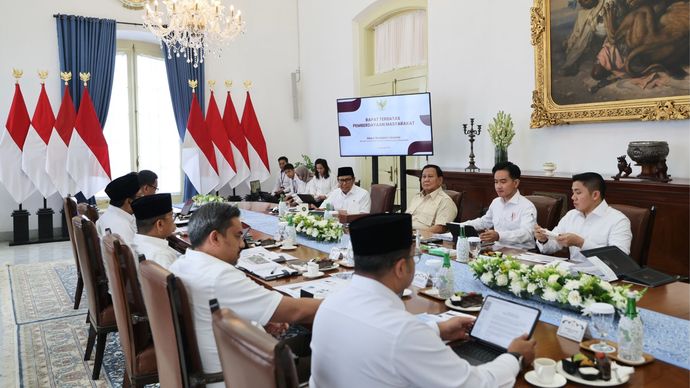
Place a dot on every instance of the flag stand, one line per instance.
(45, 222)
(64, 230)
(20, 226)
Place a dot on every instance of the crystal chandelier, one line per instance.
(191, 27)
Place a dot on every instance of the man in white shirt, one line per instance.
(291, 185)
(432, 208)
(348, 196)
(279, 186)
(592, 224)
(363, 337)
(155, 223)
(208, 271)
(511, 217)
(118, 216)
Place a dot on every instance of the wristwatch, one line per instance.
(518, 356)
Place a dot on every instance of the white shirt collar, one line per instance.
(118, 211)
(599, 211)
(375, 287)
(514, 199)
(159, 242)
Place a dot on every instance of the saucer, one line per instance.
(334, 266)
(532, 378)
(290, 248)
(407, 292)
(317, 275)
(473, 309)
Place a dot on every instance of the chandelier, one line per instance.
(191, 27)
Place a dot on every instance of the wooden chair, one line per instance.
(382, 198)
(70, 209)
(172, 326)
(130, 314)
(250, 357)
(641, 224)
(456, 196)
(101, 315)
(548, 210)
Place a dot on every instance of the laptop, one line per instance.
(307, 198)
(626, 268)
(454, 229)
(255, 187)
(498, 323)
(184, 214)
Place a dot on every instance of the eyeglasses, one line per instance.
(155, 188)
(344, 180)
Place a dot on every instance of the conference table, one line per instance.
(672, 300)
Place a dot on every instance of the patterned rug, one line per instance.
(47, 334)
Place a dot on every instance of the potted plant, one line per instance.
(501, 132)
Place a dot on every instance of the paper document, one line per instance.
(259, 261)
(319, 288)
(443, 236)
(539, 258)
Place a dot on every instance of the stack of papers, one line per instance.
(319, 288)
(539, 258)
(260, 262)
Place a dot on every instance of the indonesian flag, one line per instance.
(88, 161)
(198, 155)
(258, 154)
(11, 144)
(34, 155)
(238, 143)
(221, 143)
(56, 153)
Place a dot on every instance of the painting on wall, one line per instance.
(603, 60)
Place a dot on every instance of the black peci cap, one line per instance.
(381, 233)
(151, 206)
(123, 187)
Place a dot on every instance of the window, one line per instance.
(141, 130)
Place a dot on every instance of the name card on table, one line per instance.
(420, 279)
(572, 328)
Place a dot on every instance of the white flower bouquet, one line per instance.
(551, 284)
(201, 199)
(317, 227)
(501, 130)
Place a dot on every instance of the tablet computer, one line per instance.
(307, 198)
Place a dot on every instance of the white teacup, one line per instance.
(312, 269)
(545, 368)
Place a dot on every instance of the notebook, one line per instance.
(626, 268)
(498, 323)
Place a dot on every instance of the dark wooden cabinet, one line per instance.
(669, 250)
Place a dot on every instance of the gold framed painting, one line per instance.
(605, 60)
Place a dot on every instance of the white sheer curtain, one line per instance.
(400, 41)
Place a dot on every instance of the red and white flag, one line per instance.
(238, 143)
(198, 155)
(88, 161)
(11, 144)
(258, 154)
(221, 143)
(56, 153)
(34, 155)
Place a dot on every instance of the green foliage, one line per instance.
(201, 199)
(306, 162)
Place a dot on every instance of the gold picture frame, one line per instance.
(555, 103)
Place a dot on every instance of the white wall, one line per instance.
(480, 61)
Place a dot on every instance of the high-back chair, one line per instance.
(456, 196)
(70, 209)
(101, 314)
(250, 357)
(641, 224)
(172, 326)
(130, 314)
(382, 198)
(548, 210)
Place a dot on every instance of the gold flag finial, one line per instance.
(193, 84)
(228, 84)
(66, 76)
(17, 74)
(84, 77)
(211, 84)
(247, 84)
(43, 74)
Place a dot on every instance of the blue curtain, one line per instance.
(179, 72)
(88, 45)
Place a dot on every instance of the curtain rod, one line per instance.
(118, 22)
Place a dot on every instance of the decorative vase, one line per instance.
(501, 155)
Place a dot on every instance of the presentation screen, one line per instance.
(385, 125)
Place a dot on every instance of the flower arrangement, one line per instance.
(550, 283)
(201, 199)
(501, 130)
(317, 227)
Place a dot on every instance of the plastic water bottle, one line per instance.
(462, 247)
(290, 233)
(446, 279)
(630, 332)
(417, 243)
(282, 206)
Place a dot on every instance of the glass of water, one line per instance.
(602, 323)
(475, 246)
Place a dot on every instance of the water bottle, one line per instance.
(417, 243)
(630, 332)
(290, 233)
(282, 206)
(446, 279)
(462, 247)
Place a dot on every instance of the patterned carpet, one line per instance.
(50, 334)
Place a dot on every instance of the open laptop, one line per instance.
(499, 322)
(254, 187)
(182, 217)
(307, 198)
(454, 229)
(626, 268)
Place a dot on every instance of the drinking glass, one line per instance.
(602, 323)
(475, 246)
